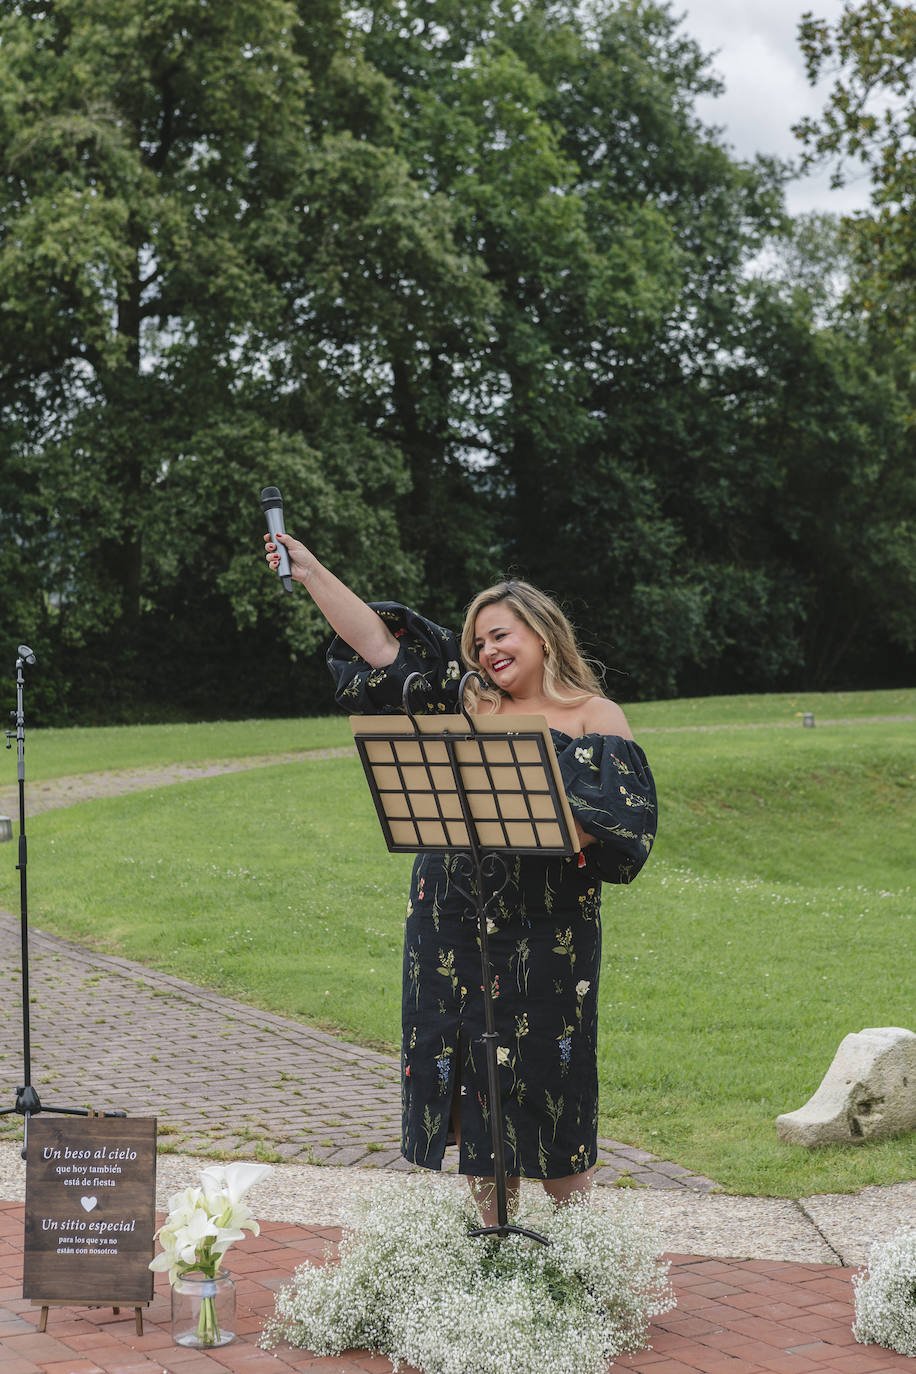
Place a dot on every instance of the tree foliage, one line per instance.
(155, 162)
(469, 281)
(869, 121)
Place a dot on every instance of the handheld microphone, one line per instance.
(272, 506)
(25, 653)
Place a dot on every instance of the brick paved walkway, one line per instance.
(109, 1033)
(732, 1317)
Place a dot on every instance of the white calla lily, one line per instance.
(232, 1179)
(202, 1224)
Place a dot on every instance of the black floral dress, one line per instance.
(544, 942)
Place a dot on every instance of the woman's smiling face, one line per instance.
(508, 650)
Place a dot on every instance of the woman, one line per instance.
(545, 932)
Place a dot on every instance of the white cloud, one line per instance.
(758, 57)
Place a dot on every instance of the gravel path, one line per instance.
(52, 793)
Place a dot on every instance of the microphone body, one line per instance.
(272, 506)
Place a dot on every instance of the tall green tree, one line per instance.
(869, 122)
(154, 165)
(814, 476)
(613, 229)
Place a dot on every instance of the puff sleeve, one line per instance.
(611, 792)
(423, 647)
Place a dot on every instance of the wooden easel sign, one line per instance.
(90, 1210)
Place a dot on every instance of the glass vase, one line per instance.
(203, 1310)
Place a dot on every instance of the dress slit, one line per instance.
(453, 1137)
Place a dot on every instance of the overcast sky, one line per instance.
(759, 59)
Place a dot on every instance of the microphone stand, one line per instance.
(28, 1103)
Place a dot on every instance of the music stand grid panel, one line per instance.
(506, 792)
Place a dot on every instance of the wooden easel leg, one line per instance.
(91, 1307)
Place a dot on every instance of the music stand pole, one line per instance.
(489, 1037)
(479, 859)
(28, 1103)
(424, 804)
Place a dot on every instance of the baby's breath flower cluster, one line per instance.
(885, 1295)
(414, 1285)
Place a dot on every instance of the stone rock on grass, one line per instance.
(868, 1093)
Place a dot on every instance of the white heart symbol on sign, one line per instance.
(87, 1203)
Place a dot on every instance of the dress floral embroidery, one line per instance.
(544, 939)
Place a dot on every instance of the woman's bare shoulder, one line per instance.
(604, 717)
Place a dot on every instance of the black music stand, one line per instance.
(483, 787)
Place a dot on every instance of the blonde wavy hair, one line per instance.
(564, 664)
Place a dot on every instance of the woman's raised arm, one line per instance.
(355, 622)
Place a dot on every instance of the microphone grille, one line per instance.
(270, 497)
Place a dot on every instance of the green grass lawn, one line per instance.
(59, 753)
(777, 708)
(776, 915)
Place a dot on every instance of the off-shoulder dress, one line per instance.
(544, 940)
